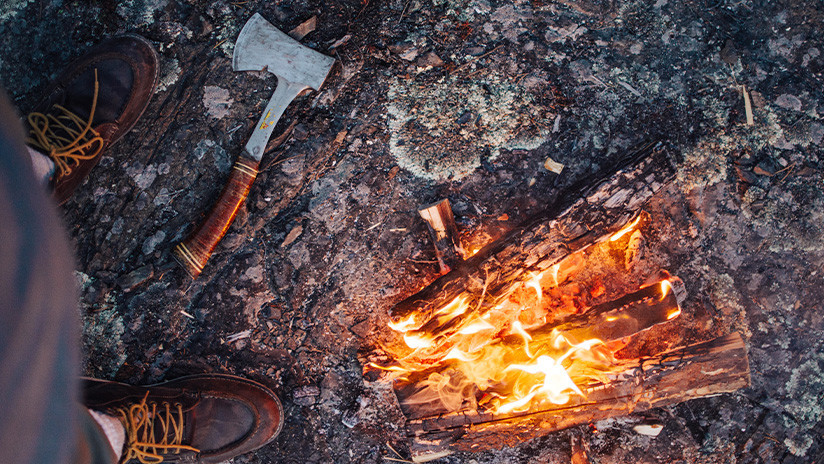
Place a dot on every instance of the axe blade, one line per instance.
(261, 46)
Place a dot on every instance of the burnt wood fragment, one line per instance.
(444, 232)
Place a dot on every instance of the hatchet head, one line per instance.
(261, 45)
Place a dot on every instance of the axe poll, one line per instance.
(260, 46)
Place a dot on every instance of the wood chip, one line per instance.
(762, 172)
(748, 106)
(554, 166)
(304, 28)
(292, 236)
(340, 41)
(650, 430)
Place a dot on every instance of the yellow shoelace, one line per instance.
(67, 139)
(148, 430)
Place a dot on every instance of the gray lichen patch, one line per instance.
(140, 11)
(11, 8)
(217, 101)
(441, 130)
(806, 381)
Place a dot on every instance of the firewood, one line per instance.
(594, 210)
(704, 369)
(444, 232)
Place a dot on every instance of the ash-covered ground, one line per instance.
(458, 99)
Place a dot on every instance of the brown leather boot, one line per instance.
(201, 418)
(91, 105)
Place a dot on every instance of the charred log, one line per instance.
(704, 369)
(591, 213)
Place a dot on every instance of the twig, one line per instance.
(789, 169)
(394, 450)
(403, 12)
(397, 460)
(219, 43)
(460, 68)
(747, 106)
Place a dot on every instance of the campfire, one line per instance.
(524, 337)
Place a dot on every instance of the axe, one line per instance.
(260, 46)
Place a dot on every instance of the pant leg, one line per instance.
(39, 324)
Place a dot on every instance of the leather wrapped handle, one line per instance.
(194, 252)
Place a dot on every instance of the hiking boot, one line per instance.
(201, 418)
(91, 105)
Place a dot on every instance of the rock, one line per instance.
(131, 280)
(405, 50)
(306, 395)
(729, 54)
(789, 102)
(430, 59)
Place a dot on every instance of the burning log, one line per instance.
(594, 212)
(704, 369)
(451, 368)
(444, 232)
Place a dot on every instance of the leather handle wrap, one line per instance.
(194, 252)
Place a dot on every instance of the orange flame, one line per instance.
(492, 355)
(625, 230)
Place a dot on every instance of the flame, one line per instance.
(386, 368)
(666, 286)
(518, 329)
(535, 283)
(496, 355)
(404, 325)
(555, 267)
(418, 342)
(454, 308)
(479, 325)
(459, 355)
(625, 230)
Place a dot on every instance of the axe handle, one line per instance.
(194, 252)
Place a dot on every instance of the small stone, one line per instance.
(350, 419)
(816, 133)
(787, 101)
(131, 280)
(306, 395)
(430, 59)
(729, 54)
(152, 242)
(405, 50)
(745, 175)
(762, 172)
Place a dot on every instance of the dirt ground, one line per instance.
(458, 99)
